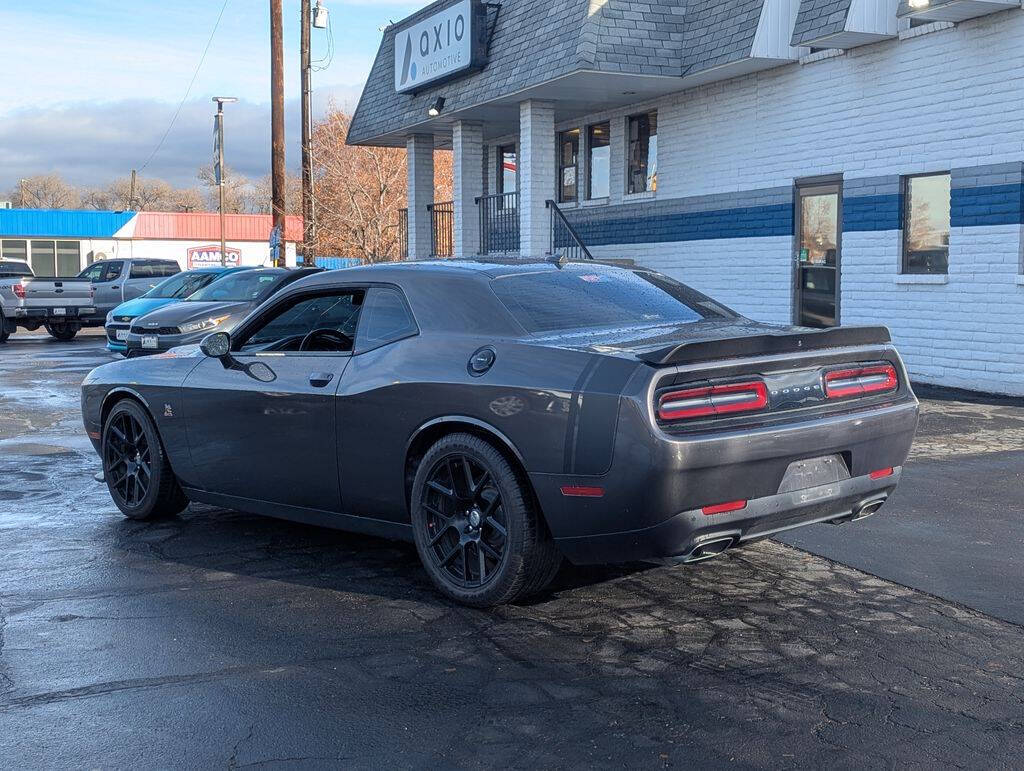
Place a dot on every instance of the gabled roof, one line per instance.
(818, 18)
(539, 41)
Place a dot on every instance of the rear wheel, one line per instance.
(135, 466)
(478, 531)
(63, 330)
(5, 331)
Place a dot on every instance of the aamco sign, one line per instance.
(209, 257)
(440, 46)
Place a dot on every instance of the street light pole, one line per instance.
(277, 178)
(307, 135)
(218, 172)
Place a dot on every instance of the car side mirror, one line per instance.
(216, 345)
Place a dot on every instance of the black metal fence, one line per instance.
(442, 229)
(565, 241)
(499, 223)
(403, 233)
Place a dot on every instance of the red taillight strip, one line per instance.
(861, 381)
(19, 291)
(713, 400)
(725, 508)
(882, 473)
(578, 491)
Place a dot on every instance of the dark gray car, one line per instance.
(504, 415)
(219, 306)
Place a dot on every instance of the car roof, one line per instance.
(482, 268)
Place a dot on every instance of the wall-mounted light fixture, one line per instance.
(436, 107)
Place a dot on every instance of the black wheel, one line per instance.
(478, 532)
(135, 466)
(62, 330)
(5, 331)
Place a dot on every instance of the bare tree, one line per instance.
(359, 191)
(149, 195)
(44, 191)
(237, 191)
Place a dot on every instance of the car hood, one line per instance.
(184, 312)
(140, 306)
(713, 339)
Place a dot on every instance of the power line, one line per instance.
(188, 90)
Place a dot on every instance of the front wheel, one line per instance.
(135, 466)
(478, 531)
(62, 330)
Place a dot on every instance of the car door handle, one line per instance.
(115, 287)
(320, 379)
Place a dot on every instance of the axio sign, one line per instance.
(440, 46)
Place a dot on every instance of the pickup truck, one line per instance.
(61, 305)
(64, 305)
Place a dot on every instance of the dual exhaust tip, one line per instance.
(713, 547)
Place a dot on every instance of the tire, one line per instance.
(135, 466)
(62, 330)
(479, 533)
(5, 331)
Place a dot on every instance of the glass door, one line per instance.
(818, 249)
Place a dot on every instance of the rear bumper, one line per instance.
(650, 501)
(47, 313)
(692, 535)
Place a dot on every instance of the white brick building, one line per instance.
(823, 161)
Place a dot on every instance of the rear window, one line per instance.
(594, 297)
(9, 269)
(245, 286)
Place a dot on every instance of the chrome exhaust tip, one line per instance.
(862, 511)
(708, 550)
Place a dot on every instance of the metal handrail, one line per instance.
(562, 231)
(442, 228)
(499, 222)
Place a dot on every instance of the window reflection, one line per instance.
(599, 143)
(926, 223)
(819, 229)
(568, 165)
(643, 153)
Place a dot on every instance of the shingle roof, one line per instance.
(536, 41)
(818, 18)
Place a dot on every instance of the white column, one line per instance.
(468, 166)
(536, 175)
(420, 148)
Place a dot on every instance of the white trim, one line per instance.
(922, 278)
(1019, 280)
(925, 29)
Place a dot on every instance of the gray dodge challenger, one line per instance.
(507, 415)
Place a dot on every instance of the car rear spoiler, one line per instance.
(765, 345)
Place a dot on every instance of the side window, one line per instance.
(165, 269)
(386, 318)
(94, 272)
(141, 270)
(333, 317)
(113, 271)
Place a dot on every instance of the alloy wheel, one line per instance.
(127, 456)
(466, 527)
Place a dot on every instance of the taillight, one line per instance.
(19, 290)
(708, 401)
(861, 381)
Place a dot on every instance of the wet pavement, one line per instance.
(219, 639)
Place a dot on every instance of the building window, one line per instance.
(643, 153)
(568, 166)
(44, 261)
(508, 169)
(14, 250)
(926, 223)
(69, 260)
(599, 146)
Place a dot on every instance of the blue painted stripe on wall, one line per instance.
(750, 222)
(992, 205)
(871, 212)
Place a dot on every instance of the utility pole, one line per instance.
(131, 192)
(308, 227)
(277, 121)
(218, 167)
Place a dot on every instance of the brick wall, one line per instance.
(949, 100)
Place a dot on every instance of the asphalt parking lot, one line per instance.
(223, 640)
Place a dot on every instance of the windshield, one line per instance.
(592, 297)
(247, 286)
(180, 286)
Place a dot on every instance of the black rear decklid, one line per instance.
(743, 346)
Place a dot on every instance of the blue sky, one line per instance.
(93, 101)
